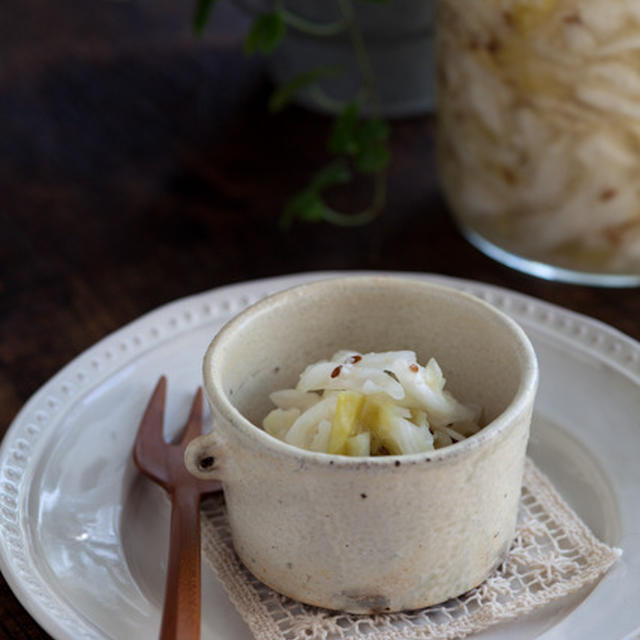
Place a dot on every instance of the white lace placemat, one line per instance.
(553, 555)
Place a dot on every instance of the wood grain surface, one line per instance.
(138, 164)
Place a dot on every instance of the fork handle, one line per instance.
(181, 613)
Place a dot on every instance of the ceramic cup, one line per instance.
(368, 534)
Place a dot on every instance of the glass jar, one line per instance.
(539, 133)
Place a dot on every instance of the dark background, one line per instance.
(138, 164)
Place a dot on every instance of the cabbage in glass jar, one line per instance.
(539, 132)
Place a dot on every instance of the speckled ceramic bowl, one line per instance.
(377, 533)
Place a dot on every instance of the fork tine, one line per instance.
(149, 445)
(195, 423)
(153, 419)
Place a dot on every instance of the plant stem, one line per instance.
(313, 28)
(308, 26)
(362, 57)
(366, 95)
(324, 100)
(366, 216)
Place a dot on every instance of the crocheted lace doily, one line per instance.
(553, 555)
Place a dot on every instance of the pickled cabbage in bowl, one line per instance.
(370, 404)
(539, 127)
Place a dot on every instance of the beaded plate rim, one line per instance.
(48, 405)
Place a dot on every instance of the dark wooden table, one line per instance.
(138, 164)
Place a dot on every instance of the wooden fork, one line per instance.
(164, 464)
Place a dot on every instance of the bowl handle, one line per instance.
(203, 457)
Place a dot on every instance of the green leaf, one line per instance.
(373, 130)
(202, 14)
(343, 138)
(308, 204)
(333, 174)
(312, 208)
(283, 94)
(363, 140)
(373, 154)
(373, 158)
(265, 34)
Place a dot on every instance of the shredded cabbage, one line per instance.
(370, 404)
(539, 127)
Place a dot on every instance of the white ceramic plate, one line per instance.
(84, 537)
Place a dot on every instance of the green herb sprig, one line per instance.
(358, 144)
